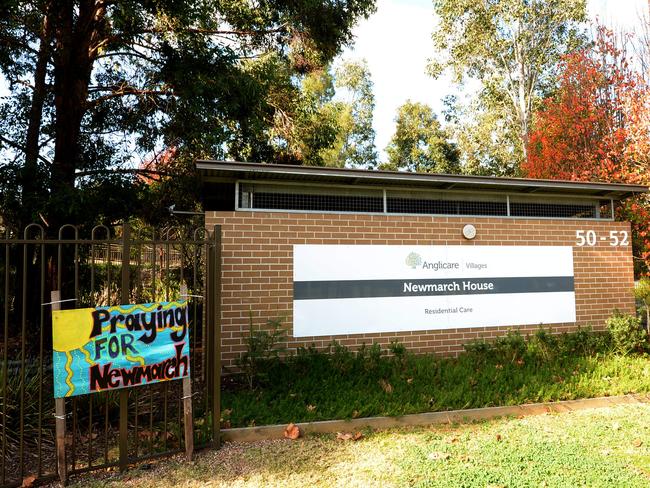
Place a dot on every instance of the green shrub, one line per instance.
(317, 384)
(477, 348)
(541, 347)
(626, 333)
(341, 357)
(510, 347)
(262, 347)
(544, 345)
(642, 293)
(399, 352)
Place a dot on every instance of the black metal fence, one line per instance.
(107, 428)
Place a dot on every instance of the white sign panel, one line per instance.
(341, 289)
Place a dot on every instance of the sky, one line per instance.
(396, 43)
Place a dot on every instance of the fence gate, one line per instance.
(101, 266)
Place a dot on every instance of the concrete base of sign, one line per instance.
(248, 434)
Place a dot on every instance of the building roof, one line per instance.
(233, 171)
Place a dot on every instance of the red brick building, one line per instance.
(266, 210)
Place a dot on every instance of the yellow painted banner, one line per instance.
(106, 348)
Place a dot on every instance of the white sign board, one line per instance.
(350, 289)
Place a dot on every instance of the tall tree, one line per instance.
(596, 127)
(511, 46)
(419, 142)
(95, 81)
(486, 136)
(357, 140)
(324, 118)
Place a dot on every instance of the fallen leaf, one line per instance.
(344, 436)
(311, 408)
(357, 436)
(28, 481)
(92, 436)
(453, 440)
(498, 437)
(386, 386)
(637, 443)
(292, 431)
(438, 455)
(409, 380)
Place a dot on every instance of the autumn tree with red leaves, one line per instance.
(596, 127)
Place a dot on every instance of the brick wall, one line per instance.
(257, 268)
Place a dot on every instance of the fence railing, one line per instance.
(107, 428)
(174, 259)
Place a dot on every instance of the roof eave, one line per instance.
(237, 170)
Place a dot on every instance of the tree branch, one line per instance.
(122, 92)
(20, 148)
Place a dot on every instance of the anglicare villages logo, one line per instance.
(413, 260)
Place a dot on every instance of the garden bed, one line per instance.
(340, 384)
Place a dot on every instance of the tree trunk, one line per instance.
(32, 191)
(76, 51)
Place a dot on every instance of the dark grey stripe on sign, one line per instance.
(319, 290)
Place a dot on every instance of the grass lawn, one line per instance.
(601, 447)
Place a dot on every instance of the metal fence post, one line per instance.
(124, 393)
(216, 337)
(59, 413)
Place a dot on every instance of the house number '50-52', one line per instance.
(590, 238)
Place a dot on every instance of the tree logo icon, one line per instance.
(413, 260)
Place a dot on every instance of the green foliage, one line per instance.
(205, 79)
(339, 383)
(324, 118)
(512, 48)
(263, 346)
(10, 402)
(627, 334)
(539, 348)
(399, 353)
(419, 142)
(356, 146)
(642, 293)
(485, 133)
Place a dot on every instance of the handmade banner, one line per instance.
(106, 348)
